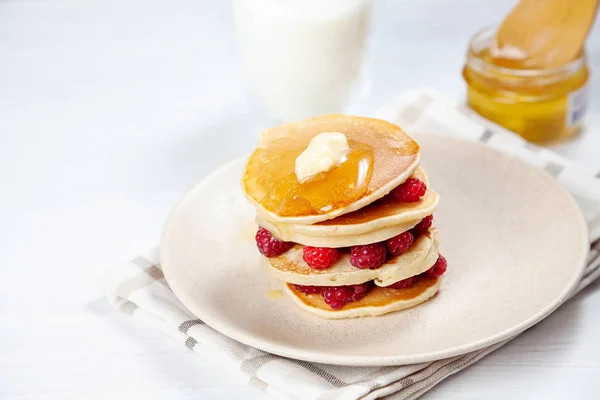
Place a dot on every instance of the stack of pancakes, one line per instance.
(353, 209)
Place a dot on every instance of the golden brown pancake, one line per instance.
(381, 157)
(378, 301)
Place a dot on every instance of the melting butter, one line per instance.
(324, 152)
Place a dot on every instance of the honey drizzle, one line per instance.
(273, 294)
(326, 191)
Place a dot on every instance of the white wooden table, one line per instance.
(109, 110)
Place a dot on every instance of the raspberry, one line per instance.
(438, 268)
(399, 244)
(404, 284)
(360, 291)
(319, 257)
(411, 190)
(343, 293)
(336, 296)
(368, 256)
(423, 226)
(269, 245)
(329, 296)
(308, 289)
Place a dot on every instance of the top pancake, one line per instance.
(382, 156)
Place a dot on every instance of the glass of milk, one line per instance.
(302, 58)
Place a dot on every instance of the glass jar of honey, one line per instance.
(541, 105)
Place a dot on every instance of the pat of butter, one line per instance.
(325, 151)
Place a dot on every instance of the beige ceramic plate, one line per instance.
(514, 239)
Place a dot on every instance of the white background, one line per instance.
(110, 110)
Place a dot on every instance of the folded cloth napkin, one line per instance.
(139, 289)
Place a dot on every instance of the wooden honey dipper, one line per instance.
(543, 34)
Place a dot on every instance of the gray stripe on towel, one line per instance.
(150, 269)
(184, 326)
(486, 136)
(333, 380)
(252, 365)
(190, 343)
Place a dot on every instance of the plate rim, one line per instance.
(323, 357)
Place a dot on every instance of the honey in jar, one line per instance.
(541, 104)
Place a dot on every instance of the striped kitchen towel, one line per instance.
(139, 289)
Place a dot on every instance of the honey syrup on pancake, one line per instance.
(377, 154)
(326, 191)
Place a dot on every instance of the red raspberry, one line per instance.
(329, 296)
(368, 256)
(438, 268)
(269, 245)
(423, 226)
(336, 296)
(404, 284)
(319, 257)
(308, 289)
(411, 190)
(399, 244)
(343, 293)
(360, 291)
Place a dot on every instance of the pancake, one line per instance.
(376, 222)
(378, 300)
(381, 157)
(291, 267)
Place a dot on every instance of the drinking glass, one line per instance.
(302, 58)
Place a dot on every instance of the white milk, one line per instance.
(302, 57)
